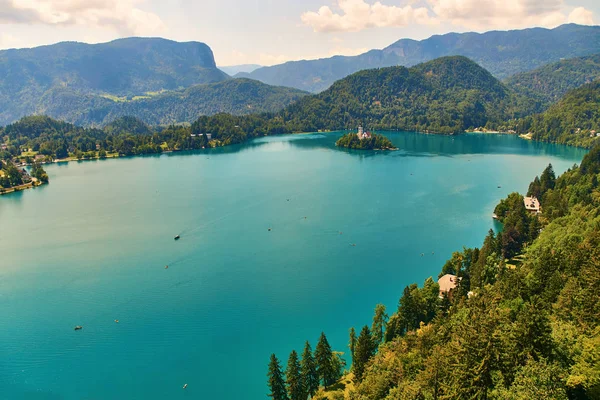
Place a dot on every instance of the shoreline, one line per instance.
(4, 191)
(20, 188)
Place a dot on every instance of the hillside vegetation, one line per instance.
(503, 53)
(574, 120)
(233, 96)
(551, 82)
(522, 323)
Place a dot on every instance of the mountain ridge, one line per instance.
(538, 46)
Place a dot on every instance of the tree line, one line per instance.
(126, 136)
(302, 377)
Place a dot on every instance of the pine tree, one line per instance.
(294, 382)
(535, 188)
(339, 364)
(308, 372)
(547, 180)
(352, 342)
(276, 383)
(365, 349)
(323, 355)
(379, 321)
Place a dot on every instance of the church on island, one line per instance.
(362, 134)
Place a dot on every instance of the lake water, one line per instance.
(91, 248)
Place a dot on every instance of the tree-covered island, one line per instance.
(365, 141)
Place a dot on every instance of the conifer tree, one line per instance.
(379, 322)
(323, 355)
(535, 188)
(547, 179)
(365, 349)
(293, 379)
(308, 372)
(352, 342)
(276, 382)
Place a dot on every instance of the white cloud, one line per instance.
(123, 16)
(581, 16)
(357, 15)
(490, 14)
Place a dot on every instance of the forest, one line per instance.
(574, 120)
(523, 321)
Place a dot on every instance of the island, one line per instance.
(364, 140)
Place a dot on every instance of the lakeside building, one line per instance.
(25, 176)
(532, 204)
(447, 284)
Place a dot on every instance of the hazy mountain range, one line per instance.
(503, 53)
(236, 69)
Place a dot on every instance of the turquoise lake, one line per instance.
(91, 248)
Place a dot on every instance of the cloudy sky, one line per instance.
(273, 31)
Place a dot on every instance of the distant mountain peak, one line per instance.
(232, 70)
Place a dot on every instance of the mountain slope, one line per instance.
(234, 96)
(446, 95)
(550, 82)
(124, 67)
(502, 53)
(573, 120)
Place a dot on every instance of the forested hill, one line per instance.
(124, 67)
(503, 53)
(551, 82)
(234, 96)
(446, 95)
(574, 120)
(523, 321)
(121, 67)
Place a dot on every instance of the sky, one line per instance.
(268, 32)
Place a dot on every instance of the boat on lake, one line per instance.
(177, 237)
